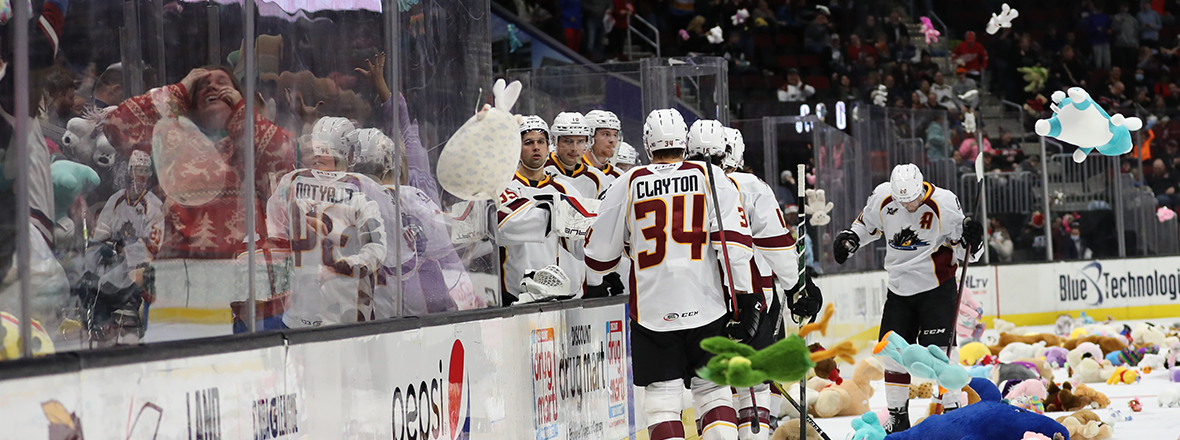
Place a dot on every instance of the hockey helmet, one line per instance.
(140, 163)
(372, 153)
(534, 122)
(905, 184)
(735, 150)
(604, 119)
(570, 124)
(330, 137)
(706, 137)
(10, 347)
(626, 154)
(664, 129)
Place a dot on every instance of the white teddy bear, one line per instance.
(85, 141)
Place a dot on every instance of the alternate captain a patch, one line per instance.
(907, 240)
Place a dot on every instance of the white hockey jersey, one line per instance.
(526, 237)
(774, 246)
(663, 212)
(586, 180)
(609, 174)
(132, 218)
(334, 226)
(923, 246)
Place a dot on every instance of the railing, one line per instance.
(1019, 110)
(631, 30)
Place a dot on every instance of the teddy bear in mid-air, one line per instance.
(1078, 120)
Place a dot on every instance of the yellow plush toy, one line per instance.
(1122, 375)
(970, 354)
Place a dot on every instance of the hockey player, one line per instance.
(607, 134)
(571, 136)
(332, 222)
(775, 259)
(625, 157)
(525, 234)
(134, 216)
(923, 225)
(666, 212)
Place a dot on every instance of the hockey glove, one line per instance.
(972, 235)
(614, 283)
(805, 301)
(750, 315)
(847, 242)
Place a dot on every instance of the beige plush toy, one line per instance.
(789, 430)
(851, 397)
(1042, 366)
(1085, 425)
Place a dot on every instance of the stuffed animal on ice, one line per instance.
(480, 158)
(1003, 20)
(1169, 397)
(1079, 120)
(1088, 365)
(1056, 356)
(923, 362)
(1086, 425)
(740, 366)
(851, 397)
(1003, 326)
(1144, 334)
(817, 207)
(984, 420)
(84, 140)
(973, 353)
(1019, 350)
(1152, 361)
(967, 325)
(1123, 375)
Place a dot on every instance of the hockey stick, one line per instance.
(938, 408)
(801, 181)
(802, 414)
(755, 423)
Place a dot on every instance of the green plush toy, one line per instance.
(1035, 76)
(69, 180)
(740, 366)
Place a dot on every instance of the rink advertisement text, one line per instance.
(1090, 284)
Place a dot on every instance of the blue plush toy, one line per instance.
(923, 362)
(984, 420)
(1077, 119)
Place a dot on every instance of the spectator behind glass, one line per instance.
(201, 172)
(58, 101)
(999, 241)
(1114, 97)
(620, 10)
(1031, 243)
(736, 55)
(1075, 247)
(1097, 25)
(815, 37)
(593, 12)
(1125, 30)
(571, 23)
(837, 58)
(926, 67)
(1068, 71)
(971, 55)
(894, 28)
(846, 91)
(1052, 42)
(962, 85)
(787, 17)
(108, 89)
(794, 90)
(1164, 182)
(969, 149)
(937, 138)
(905, 76)
(945, 96)
(905, 51)
(868, 29)
(1149, 25)
(857, 49)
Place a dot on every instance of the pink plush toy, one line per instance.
(967, 325)
(1034, 436)
(1028, 387)
(928, 29)
(1165, 214)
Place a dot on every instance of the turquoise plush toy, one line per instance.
(1077, 119)
(69, 180)
(923, 362)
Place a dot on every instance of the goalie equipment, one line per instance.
(549, 283)
(905, 184)
(626, 154)
(570, 124)
(664, 130)
(735, 150)
(706, 138)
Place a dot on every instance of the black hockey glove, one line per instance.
(805, 301)
(612, 285)
(972, 235)
(750, 315)
(847, 242)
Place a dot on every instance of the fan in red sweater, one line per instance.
(972, 55)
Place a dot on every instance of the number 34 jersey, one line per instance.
(664, 212)
(337, 236)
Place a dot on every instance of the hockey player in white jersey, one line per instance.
(525, 234)
(665, 212)
(571, 136)
(607, 134)
(332, 222)
(134, 215)
(923, 226)
(625, 157)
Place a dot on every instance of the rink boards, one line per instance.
(554, 372)
(1024, 294)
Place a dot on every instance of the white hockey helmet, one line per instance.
(626, 154)
(905, 184)
(534, 122)
(140, 163)
(372, 152)
(332, 134)
(735, 150)
(706, 137)
(570, 124)
(664, 129)
(604, 119)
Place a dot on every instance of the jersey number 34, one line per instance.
(694, 236)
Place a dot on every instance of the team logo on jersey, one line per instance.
(890, 211)
(907, 240)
